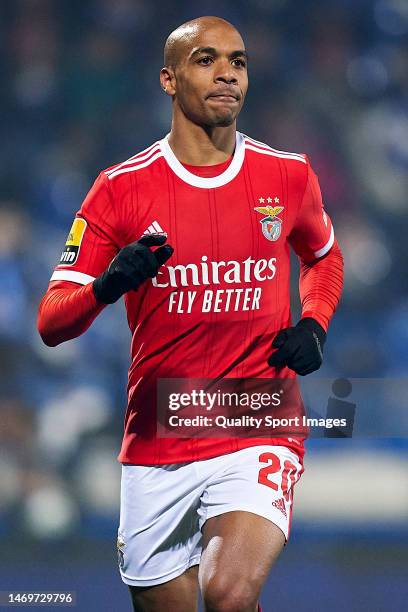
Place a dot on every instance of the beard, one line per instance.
(221, 117)
(223, 121)
(209, 118)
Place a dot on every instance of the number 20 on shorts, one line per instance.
(272, 468)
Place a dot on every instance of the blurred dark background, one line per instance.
(79, 92)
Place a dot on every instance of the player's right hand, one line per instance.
(131, 267)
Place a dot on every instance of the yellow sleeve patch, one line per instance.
(73, 243)
(76, 232)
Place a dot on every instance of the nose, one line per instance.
(226, 73)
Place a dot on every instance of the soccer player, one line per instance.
(194, 232)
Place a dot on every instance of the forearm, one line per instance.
(66, 311)
(320, 286)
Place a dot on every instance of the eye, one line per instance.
(205, 61)
(239, 62)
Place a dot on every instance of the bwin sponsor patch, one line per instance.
(73, 244)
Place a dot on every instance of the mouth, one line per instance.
(229, 98)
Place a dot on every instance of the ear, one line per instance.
(168, 80)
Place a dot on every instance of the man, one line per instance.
(208, 512)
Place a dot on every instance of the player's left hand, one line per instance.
(300, 347)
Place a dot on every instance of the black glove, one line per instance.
(134, 264)
(300, 347)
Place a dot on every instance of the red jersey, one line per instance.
(216, 305)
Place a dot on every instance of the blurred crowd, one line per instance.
(80, 92)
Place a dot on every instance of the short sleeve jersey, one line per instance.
(214, 308)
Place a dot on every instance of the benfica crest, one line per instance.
(271, 224)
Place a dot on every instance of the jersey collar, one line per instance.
(201, 181)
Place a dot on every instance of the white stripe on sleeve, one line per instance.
(71, 275)
(326, 248)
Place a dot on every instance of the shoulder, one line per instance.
(139, 161)
(262, 148)
(265, 159)
(264, 151)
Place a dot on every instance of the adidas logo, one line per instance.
(280, 505)
(154, 228)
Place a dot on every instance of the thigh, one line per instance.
(245, 515)
(159, 537)
(239, 549)
(177, 595)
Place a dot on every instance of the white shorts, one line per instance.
(163, 508)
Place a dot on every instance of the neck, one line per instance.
(201, 145)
